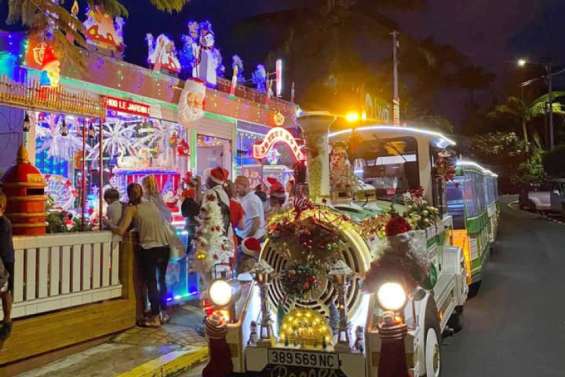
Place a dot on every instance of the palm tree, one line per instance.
(523, 112)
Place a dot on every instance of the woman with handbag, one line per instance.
(155, 241)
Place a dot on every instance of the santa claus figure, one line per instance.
(162, 54)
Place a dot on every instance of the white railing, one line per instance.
(59, 271)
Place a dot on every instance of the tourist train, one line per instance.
(376, 248)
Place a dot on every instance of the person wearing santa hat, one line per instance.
(277, 195)
(250, 248)
(215, 182)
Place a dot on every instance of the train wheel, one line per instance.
(474, 289)
(455, 322)
(432, 350)
(433, 353)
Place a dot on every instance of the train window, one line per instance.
(455, 202)
(389, 165)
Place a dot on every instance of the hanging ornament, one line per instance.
(64, 130)
(75, 9)
(183, 148)
(173, 140)
(27, 123)
(91, 133)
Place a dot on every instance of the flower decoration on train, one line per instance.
(418, 212)
(444, 166)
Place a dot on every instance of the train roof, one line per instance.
(473, 165)
(437, 138)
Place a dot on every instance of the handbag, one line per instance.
(4, 277)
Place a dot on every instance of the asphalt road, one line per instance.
(515, 326)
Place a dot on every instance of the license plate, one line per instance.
(325, 360)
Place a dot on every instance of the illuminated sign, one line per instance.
(125, 106)
(277, 135)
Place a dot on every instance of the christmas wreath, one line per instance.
(300, 280)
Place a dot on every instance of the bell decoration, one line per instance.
(64, 128)
(91, 133)
(27, 123)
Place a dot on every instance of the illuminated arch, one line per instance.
(276, 135)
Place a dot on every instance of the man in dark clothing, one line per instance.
(7, 256)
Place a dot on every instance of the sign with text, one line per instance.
(126, 106)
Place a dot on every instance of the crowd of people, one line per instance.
(244, 211)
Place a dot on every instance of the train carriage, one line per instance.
(303, 317)
(472, 202)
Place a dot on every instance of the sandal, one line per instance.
(165, 318)
(151, 322)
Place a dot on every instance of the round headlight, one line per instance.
(391, 296)
(220, 292)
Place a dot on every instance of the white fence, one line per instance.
(58, 271)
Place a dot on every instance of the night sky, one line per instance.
(492, 33)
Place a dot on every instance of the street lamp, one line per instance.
(549, 74)
(522, 62)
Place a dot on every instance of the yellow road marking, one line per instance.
(168, 364)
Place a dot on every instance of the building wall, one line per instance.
(11, 122)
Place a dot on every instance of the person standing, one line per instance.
(7, 256)
(154, 253)
(190, 208)
(277, 196)
(151, 194)
(254, 216)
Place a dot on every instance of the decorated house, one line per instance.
(106, 123)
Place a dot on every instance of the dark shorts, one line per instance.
(10, 268)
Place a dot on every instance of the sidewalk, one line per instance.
(171, 349)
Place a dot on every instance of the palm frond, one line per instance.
(169, 6)
(113, 7)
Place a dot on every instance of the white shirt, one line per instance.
(253, 208)
(114, 214)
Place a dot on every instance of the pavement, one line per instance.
(139, 352)
(515, 326)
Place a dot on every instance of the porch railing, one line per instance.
(59, 271)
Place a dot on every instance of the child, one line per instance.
(113, 211)
(7, 256)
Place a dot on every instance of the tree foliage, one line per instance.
(65, 29)
(553, 162)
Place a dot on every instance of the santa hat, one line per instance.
(251, 247)
(277, 189)
(219, 175)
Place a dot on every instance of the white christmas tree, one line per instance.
(213, 246)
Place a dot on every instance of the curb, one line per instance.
(514, 205)
(169, 364)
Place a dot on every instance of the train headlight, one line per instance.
(221, 292)
(391, 296)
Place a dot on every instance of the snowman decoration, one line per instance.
(208, 57)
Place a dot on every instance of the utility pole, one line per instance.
(549, 76)
(395, 98)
